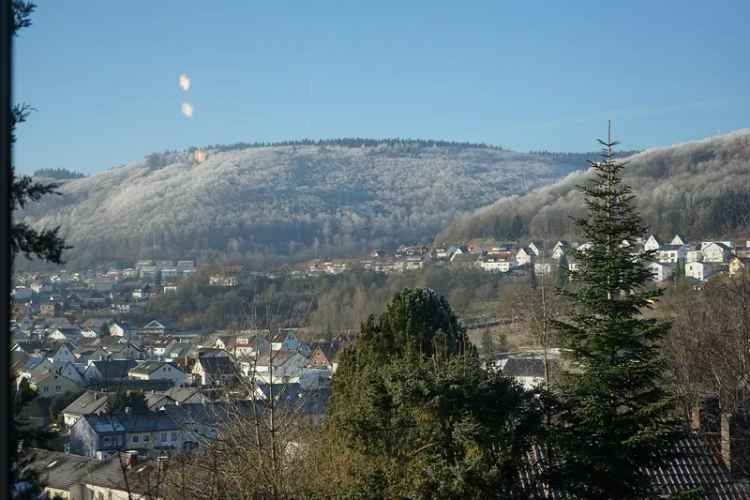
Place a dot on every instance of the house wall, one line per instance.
(714, 253)
(96, 492)
(54, 385)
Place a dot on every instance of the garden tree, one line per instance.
(417, 415)
(536, 305)
(707, 346)
(613, 421)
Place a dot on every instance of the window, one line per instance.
(134, 438)
(146, 438)
(174, 436)
(107, 439)
(163, 436)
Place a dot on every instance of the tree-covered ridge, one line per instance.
(357, 142)
(57, 174)
(303, 200)
(699, 189)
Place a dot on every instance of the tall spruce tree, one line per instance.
(45, 244)
(614, 421)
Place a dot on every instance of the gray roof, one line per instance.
(147, 422)
(87, 403)
(524, 367)
(218, 366)
(149, 367)
(114, 368)
(63, 470)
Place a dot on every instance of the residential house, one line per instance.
(121, 329)
(671, 254)
(561, 248)
(651, 244)
(157, 370)
(158, 327)
(290, 342)
(127, 350)
(325, 355)
(659, 271)
(495, 265)
(65, 335)
(102, 435)
(678, 240)
(215, 370)
(714, 251)
(537, 248)
(55, 384)
(280, 366)
(84, 354)
(67, 476)
(63, 354)
(108, 372)
(524, 256)
(700, 271)
(88, 403)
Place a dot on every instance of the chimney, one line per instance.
(697, 418)
(728, 455)
(131, 458)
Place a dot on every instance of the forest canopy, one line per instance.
(699, 189)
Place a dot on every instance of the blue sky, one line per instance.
(103, 76)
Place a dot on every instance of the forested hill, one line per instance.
(698, 189)
(305, 198)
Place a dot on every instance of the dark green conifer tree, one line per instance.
(614, 422)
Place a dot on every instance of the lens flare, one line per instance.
(184, 82)
(187, 109)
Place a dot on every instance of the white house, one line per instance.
(287, 367)
(494, 265)
(670, 254)
(524, 256)
(536, 247)
(715, 251)
(651, 243)
(120, 330)
(65, 335)
(157, 370)
(660, 272)
(700, 270)
(561, 248)
(678, 240)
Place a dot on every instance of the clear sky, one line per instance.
(103, 75)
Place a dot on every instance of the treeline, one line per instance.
(700, 189)
(58, 173)
(353, 142)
